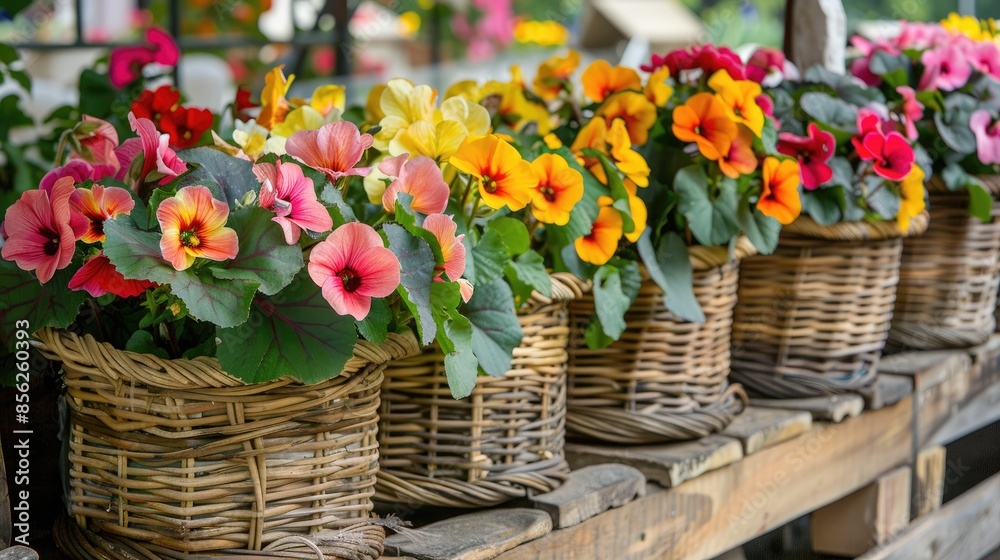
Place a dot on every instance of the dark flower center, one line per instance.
(489, 184)
(548, 192)
(51, 246)
(190, 239)
(350, 279)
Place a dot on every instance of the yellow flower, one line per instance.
(601, 80)
(553, 74)
(740, 99)
(373, 109)
(558, 190)
(634, 109)
(466, 89)
(613, 142)
(598, 246)
(273, 105)
(552, 141)
(329, 97)
(639, 213)
(410, 23)
(657, 90)
(514, 108)
(504, 178)
(911, 197)
(303, 118)
(965, 25)
(403, 104)
(457, 119)
(250, 137)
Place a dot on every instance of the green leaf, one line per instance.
(669, 265)
(894, 69)
(234, 175)
(295, 334)
(22, 78)
(955, 178)
(711, 222)
(333, 198)
(491, 256)
(97, 95)
(980, 202)
(264, 256)
(13, 7)
(8, 54)
(141, 342)
(762, 230)
(417, 263)
(953, 123)
(454, 336)
(610, 301)
(413, 223)
(829, 111)
(529, 270)
(375, 326)
(595, 337)
(136, 255)
(883, 201)
(495, 329)
(22, 298)
(825, 205)
(514, 234)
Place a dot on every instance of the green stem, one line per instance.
(172, 338)
(62, 147)
(472, 215)
(98, 319)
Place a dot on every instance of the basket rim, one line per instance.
(991, 183)
(209, 373)
(857, 231)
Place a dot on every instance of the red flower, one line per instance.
(868, 122)
(125, 63)
(153, 105)
(893, 155)
(186, 125)
(812, 151)
(98, 277)
(708, 58)
(765, 60)
(242, 105)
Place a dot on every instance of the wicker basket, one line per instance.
(504, 441)
(174, 457)
(665, 378)
(950, 275)
(812, 318)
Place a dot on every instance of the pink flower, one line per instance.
(766, 64)
(893, 155)
(292, 197)
(98, 277)
(420, 177)
(78, 170)
(945, 69)
(98, 204)
(159, 161)
(98, 140)
(912, 109)
(452, 250)
(984, 56)
(813, 152)
(861, 67)
(334, 149)
(919, 36)
(987, 136)
(42, 230)
(125, 64)
(352, 266)
(193, 226)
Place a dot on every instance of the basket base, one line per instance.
(792, 386)
(911, 336)
(357, 542)
(631, 427)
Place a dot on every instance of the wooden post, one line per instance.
(816, 33)
(865, 519)
(929, 488)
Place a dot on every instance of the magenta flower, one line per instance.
(42, 230)
(987, 133)
(813, 152)
(419, 177)
(78, 170)
(98, 140)
(868, 122)
(912, 109)
(292, 197)
(98, 277)
(125, 64)
(919, 36)
(334, 149)
(861, 67)
(352, 266)
(893, 155)
(159, 160)
(945, 69)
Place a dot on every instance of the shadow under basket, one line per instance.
(177, 459)
(949, 276)
(812, 318)
(504, 441)
(665, 379)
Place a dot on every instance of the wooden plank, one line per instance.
(735, 554)
(966, 528)
(757, 428)
(833, 408)
(985, 370)
(929, 489)
(473, 536)
(667, 464)
(887, 389)
(590, 491)
(725, 508)
(935, 375)
(981, 411)
(865, 519)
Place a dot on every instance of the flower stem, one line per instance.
(472, 215)
(97, 318)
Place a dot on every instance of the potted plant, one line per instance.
(947, 87)
(812, 318)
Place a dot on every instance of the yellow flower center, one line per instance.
(489, 184)
(190, 239)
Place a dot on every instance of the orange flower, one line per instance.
(552, 75)
(740, 99)
(705, 120)
(601, 80)
(638, 209)
(657, 90)
(637, 111)
(273, 105)
(193, 223)
(558, 190)
(615, 143)
(741, 159)
(779, 195)
(600, 244)
(505, 179)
